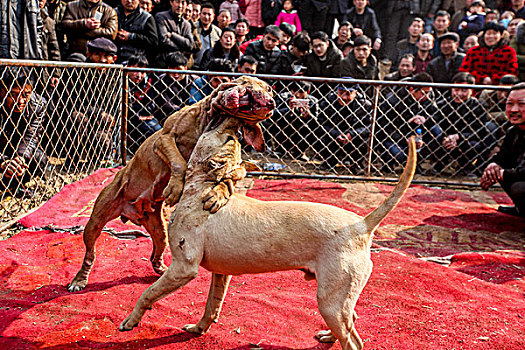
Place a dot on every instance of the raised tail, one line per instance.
(373, 219)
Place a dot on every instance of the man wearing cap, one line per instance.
(345, 120)
(446, 65)
(101, 50)
(85, 20)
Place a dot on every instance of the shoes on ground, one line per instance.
(510, 210)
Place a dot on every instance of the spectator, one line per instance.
(101, 50)
(440, 27)
(428, 10)
(50, 46)
(363, 18)
(495, 100)
(56, 10)
(459, 13)
(401, 114)
(224, 18)
(142, 123)
(345, 120)
(446, 65)
(473, 21)
(188, 13)
(86, 20)
(423, 55)
(196, 11)
(233, 7)
(313, 15)
(399, 14)
(266, 51)
(294, 121)
(409, 45)
(197, 44)
(359, 63)
(175, 34)
(269, 11)
(518, 44)
(208, 32)
(204, 86)
(254, 16)
(289, 15)
(405, 68)
(146, 5)
(344, 34)
(247, 65)
(22, 115)
(347, 47)
(492, 15)
(287, 33)
(505, 19)
(172, 91)
(337, 10)
(463, 121)
(512, 27)
(242, 29)
(325, 58)
(291, 60)
(21, 34)
(470, 42)
(507, 167)
(493, 58)
(137, 33)
(224, 48)
(518, 7)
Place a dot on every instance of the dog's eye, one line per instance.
(230, 138)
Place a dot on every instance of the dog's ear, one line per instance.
(254, 136)
(249, 166)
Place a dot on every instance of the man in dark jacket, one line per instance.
(137, 31)
(508, 166)
(21, 29)
(360, 64)
(405, 69)
(363, 18)
(175, 33)
(446, 65)
(325, 58)
(266, 51)
(399, 14)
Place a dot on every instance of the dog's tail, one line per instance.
(373, 219)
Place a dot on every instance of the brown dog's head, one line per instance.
(246, 98)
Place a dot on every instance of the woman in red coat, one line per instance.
(492, 58)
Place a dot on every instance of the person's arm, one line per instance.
(108, 24)
(148, 37)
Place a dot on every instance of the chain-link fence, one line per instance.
(68, 123)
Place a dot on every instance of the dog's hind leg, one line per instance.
(218, 289)
(178, 274)
(156, 227)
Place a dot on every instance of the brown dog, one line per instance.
(156, 172)
(251, 236)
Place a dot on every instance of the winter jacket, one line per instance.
(208, 39)
(269, 61)
(234, 9)
(143, 38)
(351, 68)
(511, 156)
(367, 22)
(437, 68)
(269, 10)
(475, 23)
(20, 29)
(413, 6)
(217, 52)
(291, 18)
(50, 47)
(174, 33)
(329, 67)
(428, 6)
(518, 44)
(338, 7)
(253, 13)
(57, 10)
(74, 24)
(482, 61)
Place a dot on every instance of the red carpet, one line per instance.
(475, 303)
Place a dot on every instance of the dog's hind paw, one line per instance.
(76, 286)
(193, 328)
(127, 324)
(325, 337)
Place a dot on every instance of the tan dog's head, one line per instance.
(246, 98)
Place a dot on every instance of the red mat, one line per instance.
(407, 304)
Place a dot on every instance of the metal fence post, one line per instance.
(124, 118)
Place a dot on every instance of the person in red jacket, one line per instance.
(492, 58)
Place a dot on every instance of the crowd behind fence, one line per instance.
(61, 122)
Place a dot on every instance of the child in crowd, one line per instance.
(289, 15)
(474, 21)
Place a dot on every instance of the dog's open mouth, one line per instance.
(249, 103)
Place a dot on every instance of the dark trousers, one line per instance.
(312, 20)
(516, 192)
(396, 29)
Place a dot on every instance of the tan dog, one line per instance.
(251, 236)
(156, 172)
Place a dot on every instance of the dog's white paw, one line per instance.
(76, 286)
(325, 337)
(192, 328)
(128, 324)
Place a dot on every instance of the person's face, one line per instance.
(130, 5)
(476, 9)
(515, 107)
(345, 97)
(216, 81)
(175, 75)
(146, 5)
(287, 5)
(491, 17)
(359, 4)
(188, 12)
(224, 19)
(470, 42)
(441, 23)
(459, 94)
(301, 95)
(517, 3)
(425, 43)
(16, 100)
(297, 53)
(320, 47)
(178, 6)
(346, 50)
(135, 76)
(42, 3)
(362, 52)
(492, 37)
(248, 68)
(241, 29)
(196, 12)
(511, 28)
(228, 40)
(448, 47)
(270, 41)
(207, 16)
(415, 29)
(420, 94)
(344, 32)
(102, 57)
(285, 38)
(406, 67)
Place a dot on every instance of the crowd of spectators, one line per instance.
(455, 42)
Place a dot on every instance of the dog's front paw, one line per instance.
(325, 337)
(128, 324)
(77, 285)
(193, 328)
(159, 268)
(217, 197)
(172, 192)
